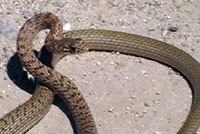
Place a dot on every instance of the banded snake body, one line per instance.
(103, 40)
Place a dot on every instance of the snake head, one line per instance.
(67, 46)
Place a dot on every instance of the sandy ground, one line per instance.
(127, 94)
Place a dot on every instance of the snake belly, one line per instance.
(125, 43)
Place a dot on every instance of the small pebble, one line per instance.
(136, 114)
(91, 82)
(156, 101)
(145, 73)
(37, 11)
(144, 112)
(165, 32)
(157, 93)
(168, 17)
(67, 27)
(85, 82)
(5, 78)
(139, 60)
(59, 4)
(151, 29)
(117, 53)
(111, 109)
(173, 29)
(71, 78)
(98, 63)
(146, 104)
(127, 108)
(27, 14)
(5, 52)
(133, 97)
(145, 20)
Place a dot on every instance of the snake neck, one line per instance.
(25, 37)
(35, 25)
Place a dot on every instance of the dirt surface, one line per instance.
(127, 94)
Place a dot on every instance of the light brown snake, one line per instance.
(104, 40)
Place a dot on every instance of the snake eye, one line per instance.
(72, 49)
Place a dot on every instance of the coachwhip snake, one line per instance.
(104, 40)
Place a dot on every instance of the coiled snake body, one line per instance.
(104, 40)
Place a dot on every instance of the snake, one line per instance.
(103, 40)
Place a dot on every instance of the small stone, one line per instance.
(151, 29)
(67, 27)
(168, 17)
(59, 4)
(173, 29)
(71, 78)
(136, 114)
(144, 112)
(27, 14)
(156, 101)
(5, 52)
(146, 104)
(139, 60)
(157, 93)
(85, 82)
(91, 82)
(145, 73)
(110, 110)
(145, 20)
(127, 108)
(111, 63)
(117, 53)
(133, 97)
(124, 27)
(37, 11)
(126, 78)
(98, 63)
